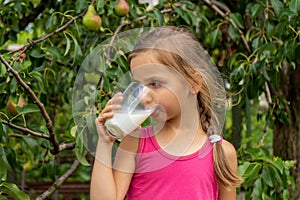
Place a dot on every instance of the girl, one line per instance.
(182, 156)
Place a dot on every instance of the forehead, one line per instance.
(145, 66)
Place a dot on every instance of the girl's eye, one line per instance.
(154, 84)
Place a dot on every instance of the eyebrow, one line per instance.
(151, 78)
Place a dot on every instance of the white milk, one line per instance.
(124, 123)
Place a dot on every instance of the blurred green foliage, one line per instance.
(250, 43)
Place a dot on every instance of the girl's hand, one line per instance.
(107, 113)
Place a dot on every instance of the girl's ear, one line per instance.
(197, 83)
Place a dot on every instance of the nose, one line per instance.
(147, 99)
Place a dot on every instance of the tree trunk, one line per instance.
(286, 140)
(236, 126)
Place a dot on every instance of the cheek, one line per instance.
(170, 102)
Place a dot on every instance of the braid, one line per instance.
(204, 112)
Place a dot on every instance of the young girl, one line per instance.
(183, 155)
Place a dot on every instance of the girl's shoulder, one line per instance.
(229, 150)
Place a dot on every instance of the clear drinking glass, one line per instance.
(132, 113)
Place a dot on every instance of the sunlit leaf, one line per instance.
(13, 191)
(29, 108)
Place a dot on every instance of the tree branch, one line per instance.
(33, 42)
(25, 130)
(62, 147)
(35, 99)
(269, 100)
(59, 182)
(65, 146)
(14, 135)
(216, 8)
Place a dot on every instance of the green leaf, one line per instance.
(237, 19)
(55, 53)
(286, 194)
(13, 85)
(11, 156)
(279, 164)
(2, 197)
(90, 121)
(278, 6)
(280, 28)
(255, 10)
(3, 161)
(159, 17)
(29, 108)
(265, 73)
(270, 29)
(26, 64)
(36, 53)
(2, 70)
(251, 173)
(2, 132)
(215, 36)
(288, 164)
(291, 46)
(281, 179)
(73, 131)
(38, 77)
(182, 14)
(268, 175)
(294, 6)
(233, 33)
(267, 49)
(257, 189)
(68, 45)
(32, 143)
(13, 191)
(80, 148)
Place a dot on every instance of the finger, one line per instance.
(110, 108)
(104, 116)
(103, 135)
(118, 98)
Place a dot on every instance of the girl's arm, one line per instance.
(102, 180)
(229, 193)
(109, 182)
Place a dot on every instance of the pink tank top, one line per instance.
(161, 176)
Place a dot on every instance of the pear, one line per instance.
(91, 20)
(11, 106)
(122, 8)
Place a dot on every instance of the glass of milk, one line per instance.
(132, 113)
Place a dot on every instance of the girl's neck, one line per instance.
(180, 141)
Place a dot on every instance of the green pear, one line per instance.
(122, 8)
(91, 20)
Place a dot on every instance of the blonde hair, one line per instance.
(180, 49)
